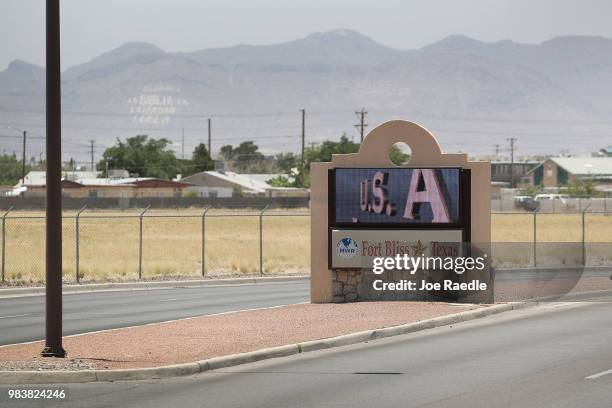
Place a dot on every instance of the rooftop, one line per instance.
(586, 166)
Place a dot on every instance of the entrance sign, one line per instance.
(365, 208)
(395, 196)
(357, 249)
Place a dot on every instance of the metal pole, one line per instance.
(23, 159)
(77, 240)
(53, 320)
(204, 241)
(4, 242)
(209, 137)
(584, 235)
(535, 235)
(302, 176)
(140, 242)
(261, 213)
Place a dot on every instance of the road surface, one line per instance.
(22, 319)
(553, 355)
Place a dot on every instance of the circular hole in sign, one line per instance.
(400, 154)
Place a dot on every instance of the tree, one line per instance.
(245, 158)
(323, 152)
(580, 188)
(227, 152)
(397, 156)
(201, 160)
(286, 162)
(142, 156)
(10, 169)
(282, 181)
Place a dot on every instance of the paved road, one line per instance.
(538, 357)
(22, 319)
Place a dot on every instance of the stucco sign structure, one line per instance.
(365, 207)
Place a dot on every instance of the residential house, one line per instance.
(114, 188)
(559, 171)
(229, 184)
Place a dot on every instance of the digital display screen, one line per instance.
(404, 196)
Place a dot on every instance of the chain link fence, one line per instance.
(115, 246)
(554, 205)
(148, 244)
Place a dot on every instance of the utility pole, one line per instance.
(91, 142)
(302, 178)
(53, 243)
(209, 137)
(23, 157)
(496, 151)
(183, 143)
(361, 125)
(512, 140)
(23, 152)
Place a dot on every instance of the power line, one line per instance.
(180, 115)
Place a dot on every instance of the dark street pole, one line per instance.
(53, 326)
(209, 137)
(302, 176)
(23, 157)
(23, 151)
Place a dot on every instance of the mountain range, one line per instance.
(552, 96)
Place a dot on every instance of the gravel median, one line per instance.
(200, 338)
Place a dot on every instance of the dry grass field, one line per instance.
(109, 243)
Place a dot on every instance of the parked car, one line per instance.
(546, 197)
(525, 203)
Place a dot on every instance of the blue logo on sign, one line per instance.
(347, 248)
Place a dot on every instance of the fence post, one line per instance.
(535, 235)
(140, 243)
(4, 241)
(583, 235)
(78, 278)
(204, 241)
(261, 213)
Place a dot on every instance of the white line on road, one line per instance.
(594, 376)
(8, 317)
(184, 298)
(164, 321)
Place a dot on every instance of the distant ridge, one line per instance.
(139, 86)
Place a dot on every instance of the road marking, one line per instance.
(164, 321)
(184, 298)
(20, 315)
(594, 376)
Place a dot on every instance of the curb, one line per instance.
(177, 370)
(195, 283)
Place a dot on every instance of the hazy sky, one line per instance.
(91, 27)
